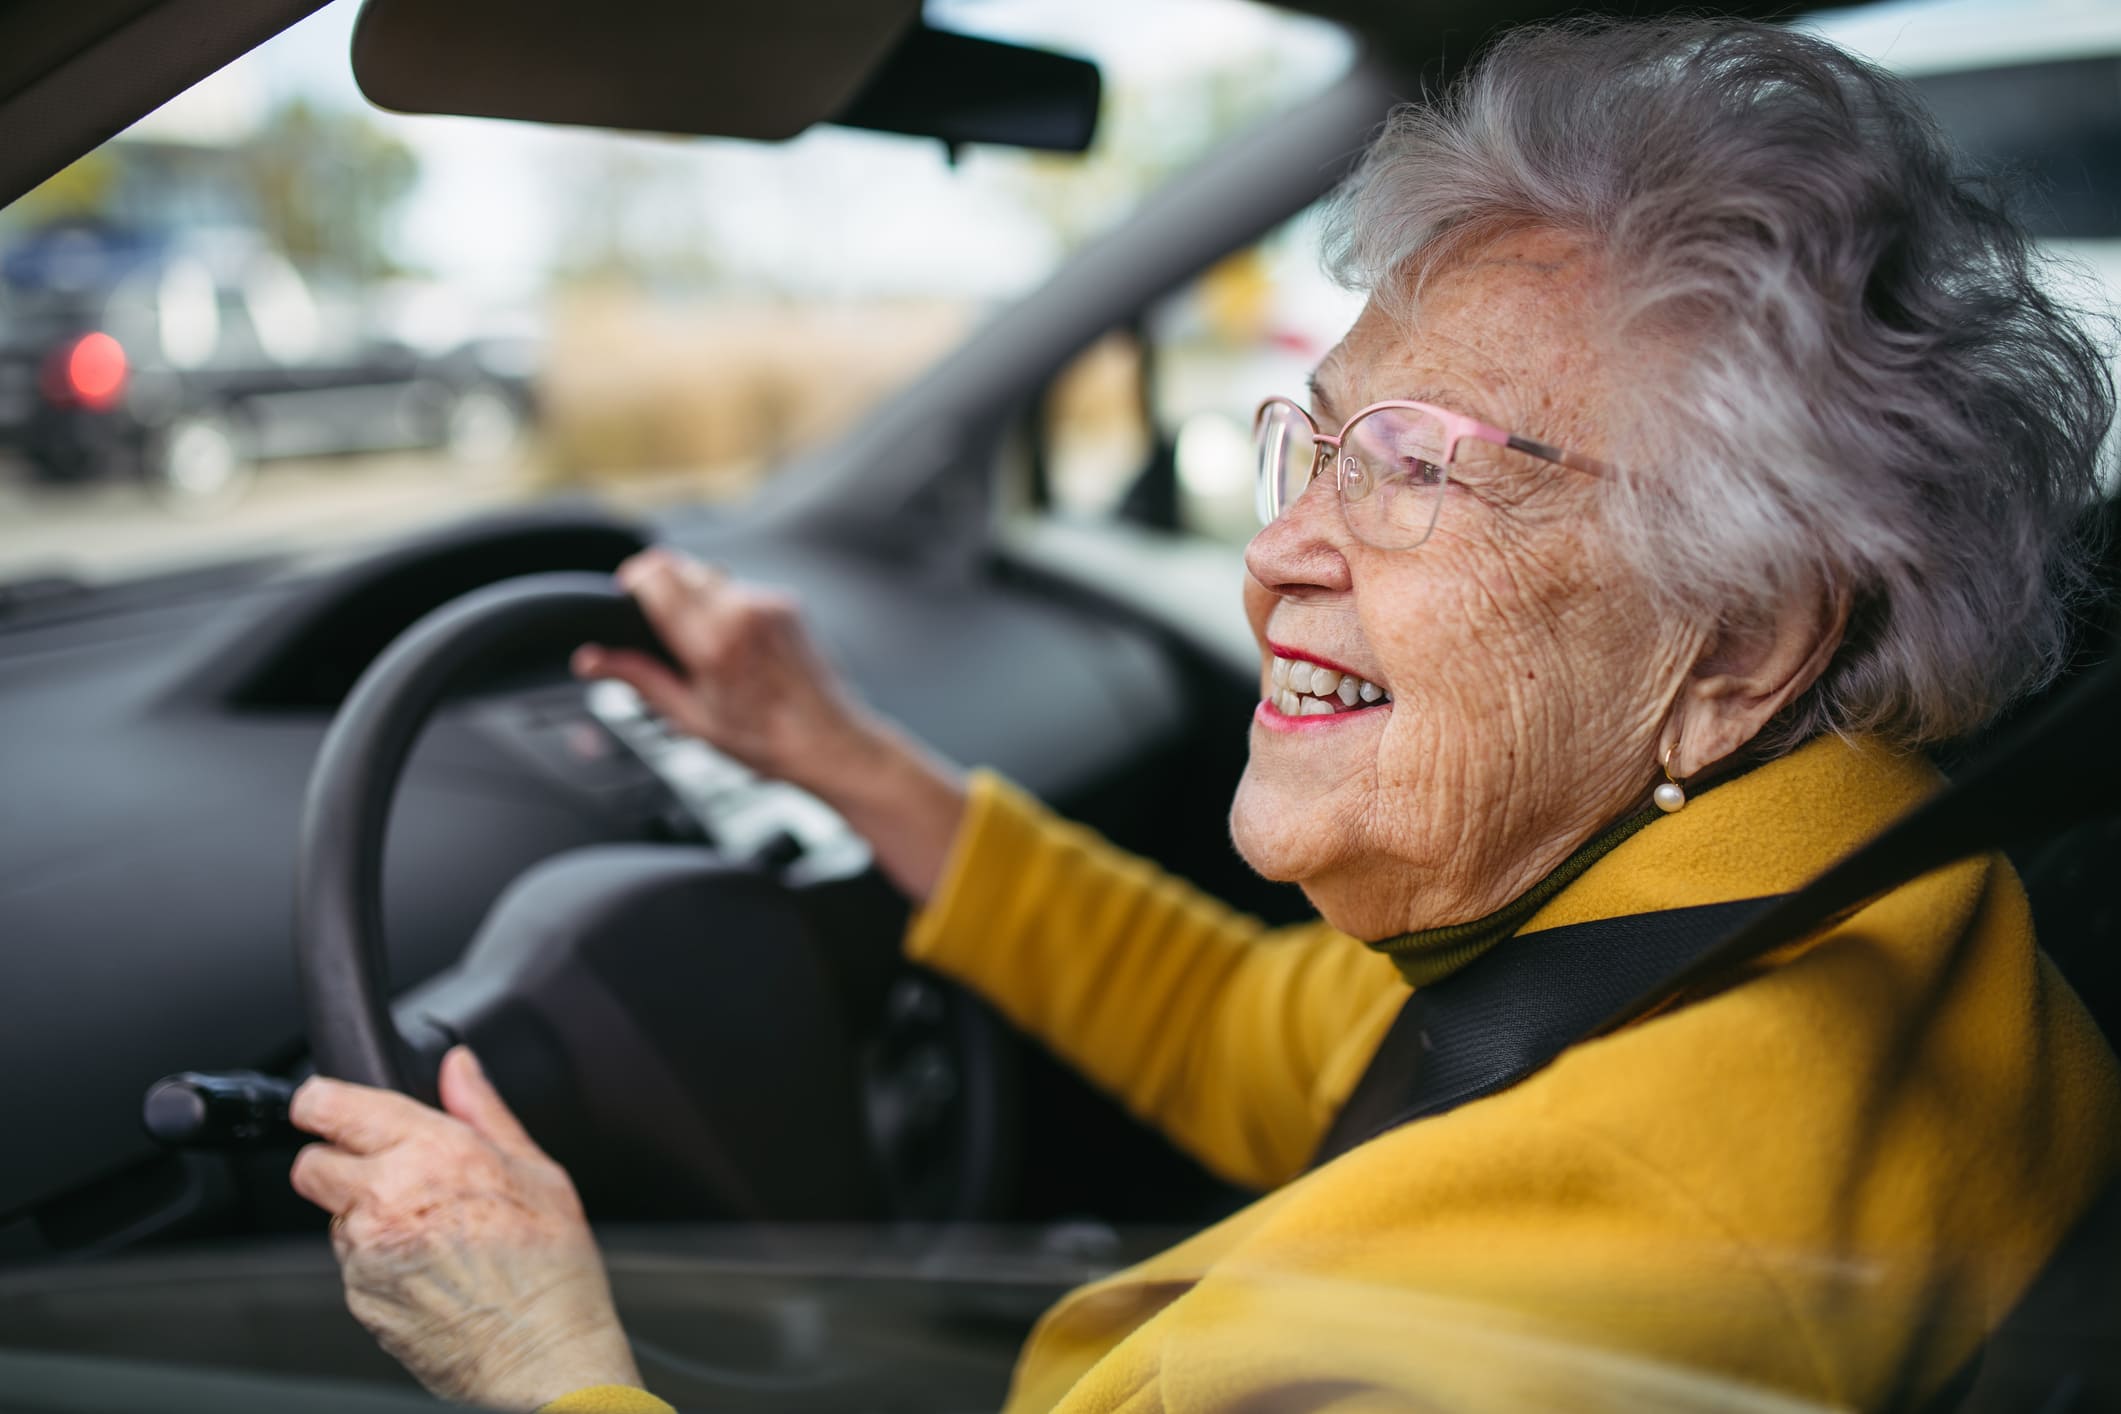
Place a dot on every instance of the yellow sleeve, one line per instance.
(607, 1399)
(1236, 1040)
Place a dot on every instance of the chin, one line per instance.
(1302, 843)
(1275, 838)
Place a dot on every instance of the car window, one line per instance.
(270, 316)
(1170, 398)
(2030, 92)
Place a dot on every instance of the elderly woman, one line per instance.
(1707, 448)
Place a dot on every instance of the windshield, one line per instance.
(272, 321)
(270, 316)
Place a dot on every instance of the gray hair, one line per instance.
(1868, 387)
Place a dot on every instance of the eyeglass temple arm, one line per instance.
(1575, 461)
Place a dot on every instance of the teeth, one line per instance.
(1301, 688)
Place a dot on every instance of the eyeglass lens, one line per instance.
(1389, 468)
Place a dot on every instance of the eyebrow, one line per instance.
(1322, 404)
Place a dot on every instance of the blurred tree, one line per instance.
(327, 185)
(324, 187)
(78, 192)
(628, 212)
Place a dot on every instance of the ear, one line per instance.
(1750, 672)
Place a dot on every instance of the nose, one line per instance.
(1300, 554)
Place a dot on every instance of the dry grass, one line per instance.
(641, 396)
(724, 388)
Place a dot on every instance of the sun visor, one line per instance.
(756, 71)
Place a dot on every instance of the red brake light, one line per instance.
(89, 372)
(95, 370)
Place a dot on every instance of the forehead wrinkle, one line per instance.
(1402, 362)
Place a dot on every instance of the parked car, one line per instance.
(186, 362)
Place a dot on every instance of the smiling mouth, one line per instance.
(1302, 688)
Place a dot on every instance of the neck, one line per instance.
(1429, 955)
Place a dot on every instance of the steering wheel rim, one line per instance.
(342, 963)
(340, 960)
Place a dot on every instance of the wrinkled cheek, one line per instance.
(1420, 802)
(1412, 757)
(1456, 723)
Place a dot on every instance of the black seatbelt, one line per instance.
(1512, 1010)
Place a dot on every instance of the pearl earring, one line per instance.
(1669, 796)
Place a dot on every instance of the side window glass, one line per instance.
(2037, 102)
(1095, 435)
(1153, 423)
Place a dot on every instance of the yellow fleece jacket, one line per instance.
(1826, 1178)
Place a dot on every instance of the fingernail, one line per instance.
(471, 1059)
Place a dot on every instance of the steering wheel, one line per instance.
(690, 1035)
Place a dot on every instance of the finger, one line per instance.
(703, 577)
(662, 562)
(662, 559)
(357, 1118)
(470, 1096)
(642, 562)
(329, 1177)
(665, 597)
(663, 690)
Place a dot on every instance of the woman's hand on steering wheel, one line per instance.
(750, 681)
(463, 1246)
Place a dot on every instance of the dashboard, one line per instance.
(159, 738)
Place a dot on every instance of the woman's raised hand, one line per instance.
(463, 1247)
(750, 681)
(748, 678)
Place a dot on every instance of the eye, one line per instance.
(1417, 472)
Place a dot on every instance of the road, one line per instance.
(96, 532)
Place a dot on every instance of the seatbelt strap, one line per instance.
(1513, 1009)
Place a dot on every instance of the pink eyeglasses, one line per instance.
(1390, 462)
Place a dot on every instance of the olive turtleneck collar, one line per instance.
(1426, 957)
